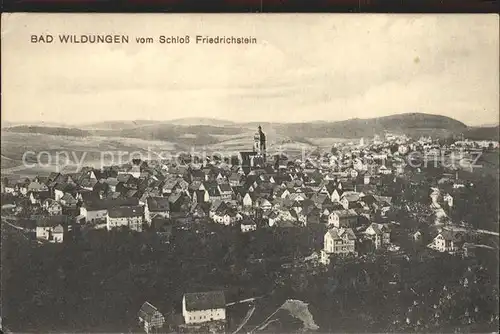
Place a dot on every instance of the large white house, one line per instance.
(200, 307)
(338, 241)
(130, 216)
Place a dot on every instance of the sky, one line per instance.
(304, 67)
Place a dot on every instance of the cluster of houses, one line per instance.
(340, 190)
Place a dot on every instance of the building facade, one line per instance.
(131, 217)
(338, 241)
(202, 307)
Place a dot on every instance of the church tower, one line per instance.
(259, 143)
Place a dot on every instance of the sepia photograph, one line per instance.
(249, 174)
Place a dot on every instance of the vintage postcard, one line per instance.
(205, 173)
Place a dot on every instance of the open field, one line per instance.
(51, 152)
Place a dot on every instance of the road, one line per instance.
(244, 300)
(245, 320)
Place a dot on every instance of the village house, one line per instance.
(248, 199)
(52, 228)
(52, 207)
(263, 204)
(8, 186)
(213, 191)
(338, 241)
(150, 318)
(129, 216)
(68, 200)
(201, 307)
(94, 211)
(156, 207)
(379, 234)
(343, 218)
(227, 216)
(88, 183)
(235, 179)
(248, 225)
(447, 241)
(225, 191)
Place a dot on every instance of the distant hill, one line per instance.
(481, 133)
(206, 131)
(202, 121)
(414, 124)
(121, 125)
(48, 130)
(187, 135)
(116, 125)
(7, 124)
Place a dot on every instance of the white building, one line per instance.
(51, 228)
(130, 216)
(447, 241)
(248, 225)
(93, 212)
(338, 242)
(201, 307)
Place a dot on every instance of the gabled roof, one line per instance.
(248, 221)
(345, 213)
(216, 204)
(36, 186)
(147, 311)
(451, 236)
(383, 199)
(88, 183)
(199, 301)
(174, 197)
(68, 198)
(320, 198)
(125, 211)
(158, 204)
(351, 196)
(53, 176)
(338, 233)
(376, 228)
(224, 187)
(235, 177)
